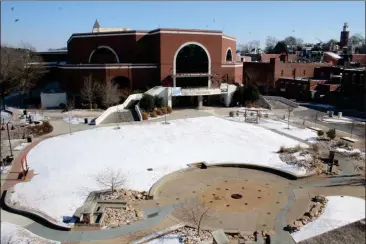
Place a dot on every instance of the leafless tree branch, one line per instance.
(110, 94)
(195, 213)
(20, 69)
(110, 178)
(89, 90)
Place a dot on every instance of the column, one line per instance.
(200, 101)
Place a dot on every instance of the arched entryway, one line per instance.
(191, 69)
(229, 55)
(103, 55)
(123, 83)
(191, 58)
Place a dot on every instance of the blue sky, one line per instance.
(50, 24)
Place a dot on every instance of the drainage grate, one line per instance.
(236, 196)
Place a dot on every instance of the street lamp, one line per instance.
(12, 128)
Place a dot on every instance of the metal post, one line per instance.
(353, 124)
(117, 115)
(316, 117)
(69, 123)
(11, 150)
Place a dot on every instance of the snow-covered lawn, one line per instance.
(303, 134)
(65, 165)
(14, 234)
(338, 212)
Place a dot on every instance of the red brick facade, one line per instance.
(266, 75)
(146, 58)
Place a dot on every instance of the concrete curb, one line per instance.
(31, 214)
(162, 180)
(268, 169)
(283, 173)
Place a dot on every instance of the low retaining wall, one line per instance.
(30, 213)
(283, 173)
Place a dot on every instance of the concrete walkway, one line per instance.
(93, 235)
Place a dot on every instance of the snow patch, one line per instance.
(21, 146)
(338, 212)
(5, 169)
(351, 152)
(167, 239)
(65, 165)
(14, 234)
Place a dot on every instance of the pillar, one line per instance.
(168, 93)
(200, 101)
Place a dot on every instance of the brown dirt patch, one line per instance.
(219, 196)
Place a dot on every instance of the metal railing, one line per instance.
(281, 99)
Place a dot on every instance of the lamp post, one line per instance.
(12, 128)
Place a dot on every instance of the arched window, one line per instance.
(103, 55)
(189, 58)
(123, 83)
(229, 55)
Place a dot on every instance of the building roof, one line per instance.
(153, 32)
(96, 24)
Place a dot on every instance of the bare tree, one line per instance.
(290, 40)
(270, 43)
(20, 69)
(109, 93)
(110, 178)
(253, 44)
(89, 90)
(70, 106)
(356, 40)
(194, 213)
(299, 41)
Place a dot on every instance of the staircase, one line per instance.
(125, 115)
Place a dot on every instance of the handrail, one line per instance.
(283, 100)
(138, 111)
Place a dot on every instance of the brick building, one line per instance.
(266, 75)
(141, 59)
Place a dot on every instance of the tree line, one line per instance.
(273, 45)
(19, 70)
